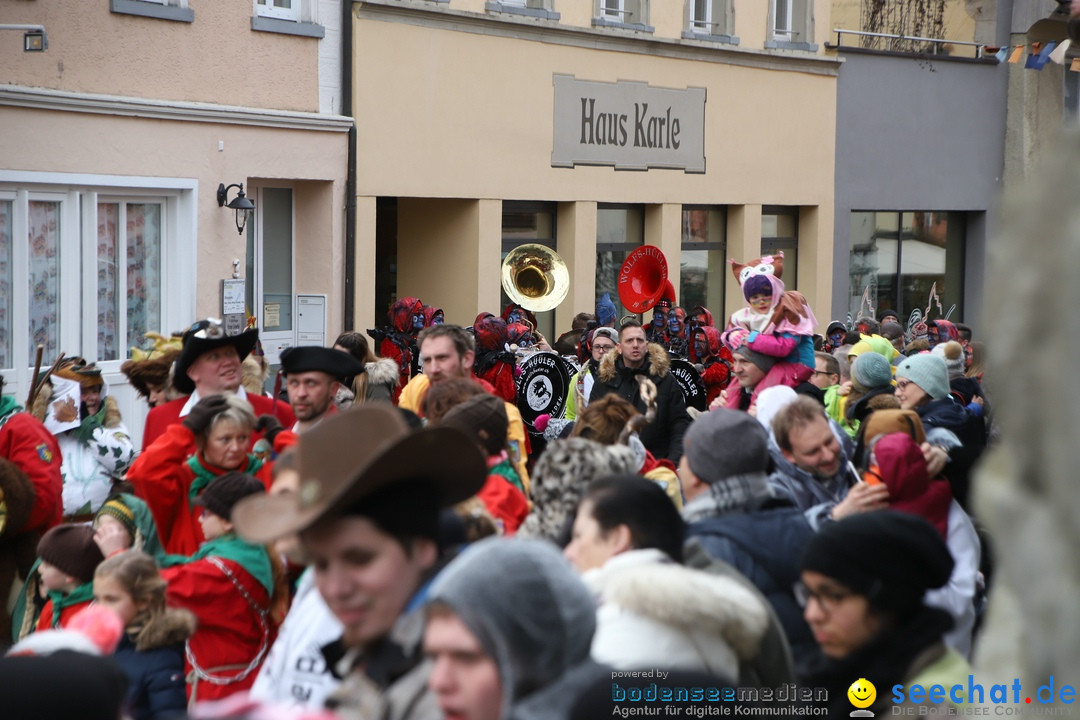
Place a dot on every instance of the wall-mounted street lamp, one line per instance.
(34, 37)
(240, 203)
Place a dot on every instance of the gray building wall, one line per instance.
(919, 134)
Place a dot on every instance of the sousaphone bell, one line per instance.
(643, 279)
(535, 277)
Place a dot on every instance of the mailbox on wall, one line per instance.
(311, 320)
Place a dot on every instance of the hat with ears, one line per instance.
(927, 371)
(350, 457)
(75, 368)
(204, 336)
(316, 358)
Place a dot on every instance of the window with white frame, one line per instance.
(83, 271)
(710, 17)
(628, 12)
(792, 21)
(279, 9)
(545, 7)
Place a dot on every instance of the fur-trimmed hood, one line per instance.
(646, 582)
(656, 361)
(383, 371)
(173, 626)
(41, 407)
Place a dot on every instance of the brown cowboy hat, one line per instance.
(204, 336)
(351, 455)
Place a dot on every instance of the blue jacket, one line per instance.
(157, 688)
(765, 546)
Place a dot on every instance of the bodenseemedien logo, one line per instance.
(862, 695)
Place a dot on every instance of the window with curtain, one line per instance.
(6, 284)
(123, 244)
(43, 220)
(129, 268)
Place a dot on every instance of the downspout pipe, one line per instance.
(350, 175)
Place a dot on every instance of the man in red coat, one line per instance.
(209, 364)
(30, 494)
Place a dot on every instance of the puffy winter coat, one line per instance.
(664, 435)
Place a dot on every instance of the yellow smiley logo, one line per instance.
(862, 693)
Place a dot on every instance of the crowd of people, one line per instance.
(388, 537)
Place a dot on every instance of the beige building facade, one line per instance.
(593, 126)
(115, 141)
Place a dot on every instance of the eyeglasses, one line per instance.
(827, 599)
(823, 372)
(604, 348)
(902, 384)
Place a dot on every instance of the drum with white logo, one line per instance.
(543, 385)
(690, 382)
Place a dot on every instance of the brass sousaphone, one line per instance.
(535, 277)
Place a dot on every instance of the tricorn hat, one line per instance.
(203, 336)
(335, 363)
(350, 456)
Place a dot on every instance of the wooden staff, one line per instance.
(33, 382)
(37, 368)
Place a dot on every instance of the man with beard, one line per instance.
(313, 376)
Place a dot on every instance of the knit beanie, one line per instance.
(222, 494)
(928, 372)
(482, 416)
(724, 443)
(871, 370)
(757, 285)
(761, 360)
(892, 558)
(116, 508)
(952, 353)
(71, 550)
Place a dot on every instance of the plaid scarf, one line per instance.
(731, 494)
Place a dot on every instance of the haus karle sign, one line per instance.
(630, 125)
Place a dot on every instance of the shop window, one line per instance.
(82, 270)
(901, 260)
(620, 229)
(702, 267)
(633, 14)
(791, 25)
(524, 223)
(710, 19)
(780, 232)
